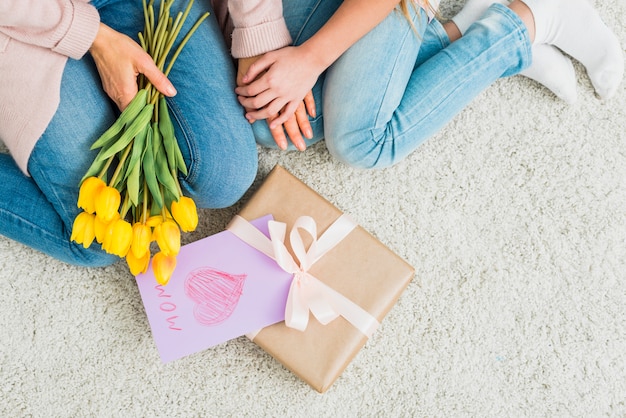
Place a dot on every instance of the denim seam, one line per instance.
(442, 35)
(32, 225)
(296, 38)
(54, 191)
(389, 138)
(76, 249)
(520, 27)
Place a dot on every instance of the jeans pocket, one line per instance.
(4, 41)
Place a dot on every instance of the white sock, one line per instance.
(575, 27)
(549, 66)
(471, 12)
(554, 70)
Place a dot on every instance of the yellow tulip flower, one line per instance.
(185, 213)
(83, 229)
(167, 235)
(89, 189)
(107, 203)
(142, 236)
(163, 266)
(101, 227)
(118, 238)
(154, 220)
(137, 265)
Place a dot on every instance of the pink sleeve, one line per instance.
(67, 27)
(259, 27)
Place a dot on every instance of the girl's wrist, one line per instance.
(316, 56)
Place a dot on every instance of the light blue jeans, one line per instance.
(216, 140)
(394, 89)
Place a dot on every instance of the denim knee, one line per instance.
(216, 186)
(262, 134)
(264, 137)
(94, 256)
(361, 150)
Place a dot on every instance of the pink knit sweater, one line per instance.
(258, 26)
(36, 39)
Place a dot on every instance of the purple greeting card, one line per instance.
(221, 289)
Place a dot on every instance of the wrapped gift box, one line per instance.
(359, 267)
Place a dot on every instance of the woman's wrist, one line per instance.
(100, 39)
(242, 67)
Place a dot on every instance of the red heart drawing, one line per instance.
(215, 292)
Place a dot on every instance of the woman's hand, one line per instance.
(120, 60)
(277, 83)
(295, 126)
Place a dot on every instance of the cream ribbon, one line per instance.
(306, 292)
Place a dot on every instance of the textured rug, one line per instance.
(514, 217)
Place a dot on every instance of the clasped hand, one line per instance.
(277, 87)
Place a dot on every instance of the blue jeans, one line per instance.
(395, 88)
(216, 140)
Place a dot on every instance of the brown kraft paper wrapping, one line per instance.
(360, 267)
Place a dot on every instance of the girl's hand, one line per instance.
(120, 60)
(277, 83)
(296, 126)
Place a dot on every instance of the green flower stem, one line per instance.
(176, 25)
(169, 40)
(148, 23)
(125, 206)
(145, 202)
(106, 167)
(184, 41)
(161, 35)
(159, 38)
(120, 164)
(143, 42)
(163, 214)
(180, 190)
(154, 100)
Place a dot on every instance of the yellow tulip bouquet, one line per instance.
(130, 195)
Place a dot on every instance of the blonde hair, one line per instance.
(404, 8)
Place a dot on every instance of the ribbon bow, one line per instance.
(307, 293)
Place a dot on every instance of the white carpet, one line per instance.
(514, 217)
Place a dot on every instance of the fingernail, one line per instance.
(171, 91)
(309, 133)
